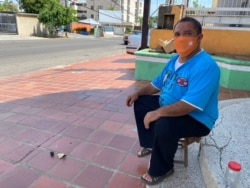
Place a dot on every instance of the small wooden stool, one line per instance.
(184, 142)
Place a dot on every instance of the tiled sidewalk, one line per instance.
(78, 110)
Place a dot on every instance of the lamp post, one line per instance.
(144, 38)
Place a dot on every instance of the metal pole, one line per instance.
(144, 40)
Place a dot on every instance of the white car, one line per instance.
(134, 32)
(134, 43)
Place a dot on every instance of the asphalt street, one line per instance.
(27, 54)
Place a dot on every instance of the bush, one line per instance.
(128, 30)
(92, 31)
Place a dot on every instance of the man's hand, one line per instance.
(149, 118)
(146, 90)
(131, 99)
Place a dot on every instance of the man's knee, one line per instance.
(143, 102)
(165, 128)
(148, 102)
(138, 104)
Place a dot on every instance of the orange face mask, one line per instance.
(185, 45)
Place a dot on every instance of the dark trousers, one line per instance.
(163, 134)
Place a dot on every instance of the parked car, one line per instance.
(134, 32)
(134, 43)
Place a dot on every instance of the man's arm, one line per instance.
(147, 90)
(177, 109)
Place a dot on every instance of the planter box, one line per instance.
(235, 74)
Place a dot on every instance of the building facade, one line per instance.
(131, 10)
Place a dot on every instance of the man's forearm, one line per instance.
(178, 109)
(147, 90)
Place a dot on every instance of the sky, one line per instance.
(156, 3)
(154, 6)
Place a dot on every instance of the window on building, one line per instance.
(92, 15)
(92, 7)
(81, 11)
(108, 28)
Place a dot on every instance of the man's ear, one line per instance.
(200, 36)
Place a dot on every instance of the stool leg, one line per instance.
(185, 153)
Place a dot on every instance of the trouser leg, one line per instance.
(167, 132)
(142, 106)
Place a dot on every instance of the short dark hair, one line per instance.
(195, 22)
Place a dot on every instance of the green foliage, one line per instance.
(111, 8)
(152, 21)
(92, 31)
(197, 5)
(54, 15)
(139, 20)
(8, 6)
(128, 30)
(34, 6)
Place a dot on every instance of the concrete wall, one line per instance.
(168, 16)
(228, 42)
(28, 25)
(217, 42)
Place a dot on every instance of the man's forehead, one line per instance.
(185, 27)
(184, 30)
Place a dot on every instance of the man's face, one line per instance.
(186, 39)
(185, 29)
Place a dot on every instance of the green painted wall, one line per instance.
(147, 70)
(239, 80)
(225, 75)
(235, 74)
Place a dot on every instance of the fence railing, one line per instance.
(222, 18)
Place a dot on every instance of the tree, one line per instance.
(151, 22)
(54, 15)
(111, 8)
(8, 6)
(139, 20)
(197, 5)
(34, 6)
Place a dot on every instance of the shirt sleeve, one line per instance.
(202, 84)
(158, 82)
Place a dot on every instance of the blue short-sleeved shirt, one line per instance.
(196, 83)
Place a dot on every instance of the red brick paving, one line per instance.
(78, 110)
